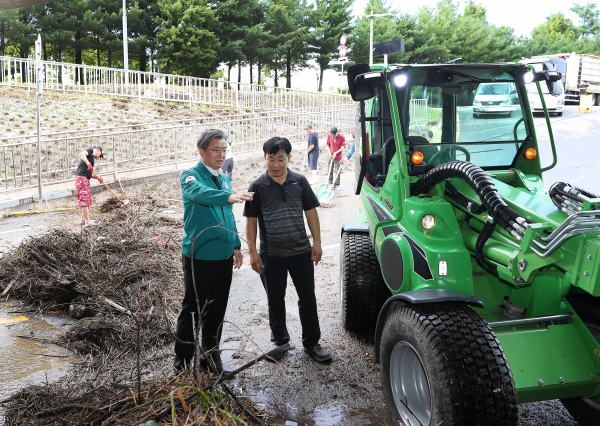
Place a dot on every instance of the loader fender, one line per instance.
(355, 227)
(418, 297)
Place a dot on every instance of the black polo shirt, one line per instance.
(280, 212)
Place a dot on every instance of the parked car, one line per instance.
(494, 98)
(554, 104)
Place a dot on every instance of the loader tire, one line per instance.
(362, 289)
(441, 363)
(586, 411)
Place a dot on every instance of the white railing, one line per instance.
(87, 79)
(419, 116)
(153, 144)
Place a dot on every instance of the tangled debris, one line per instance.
(175, 400)
(109, 274)
(124, 278)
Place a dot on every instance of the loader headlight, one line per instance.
(528, 77)
(428, 221)
(400, 80)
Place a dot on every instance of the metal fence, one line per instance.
(419, 116)
(87, 79)
(153, 144)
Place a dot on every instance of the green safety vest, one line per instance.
(437, 135)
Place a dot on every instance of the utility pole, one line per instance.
(125, 49)
(378, 15)
(38, 95)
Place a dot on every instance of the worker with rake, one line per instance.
(211, 249)
(85, 170)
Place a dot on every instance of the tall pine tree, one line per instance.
(186, 41)
(330, 20)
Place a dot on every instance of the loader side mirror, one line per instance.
(362, 81)
(552, 79)
(548, 75)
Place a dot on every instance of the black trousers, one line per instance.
(274, 279)
(213, 281)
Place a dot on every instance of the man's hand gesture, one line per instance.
(240, 197)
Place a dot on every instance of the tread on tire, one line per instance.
(362, 289)
(468, 377)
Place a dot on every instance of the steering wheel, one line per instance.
(450, 151)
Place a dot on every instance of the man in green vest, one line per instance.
(434, 135)
(211, 250)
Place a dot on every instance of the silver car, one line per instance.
(495, 98)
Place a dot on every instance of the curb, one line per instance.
(95, 189)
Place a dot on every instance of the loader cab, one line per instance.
(419, 117)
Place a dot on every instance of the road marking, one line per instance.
(10, 320)
(24, 229)
(324, 248)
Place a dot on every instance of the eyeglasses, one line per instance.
(216, 151)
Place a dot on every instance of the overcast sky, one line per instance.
(522, 15)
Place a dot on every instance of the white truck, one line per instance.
(582, 73)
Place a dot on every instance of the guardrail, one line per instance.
(419, 116)
(66, 77)
(153, 144)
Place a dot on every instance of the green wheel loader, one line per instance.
(480, 286)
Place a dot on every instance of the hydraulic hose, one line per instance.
(483, 185)
(486, 233)
(569, 198)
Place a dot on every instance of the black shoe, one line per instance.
(277, 356)
(318, 353)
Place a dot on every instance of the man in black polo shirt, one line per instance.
(281, 199)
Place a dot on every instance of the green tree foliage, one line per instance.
(590, 24)
(330, 20)
(241, 32)
(475, 10)
(8, 19)
(557, 25)
(435, 34)
(186, 42)
(286, 48)
(560, 35)
(195, 37)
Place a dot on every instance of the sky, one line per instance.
(522, 15)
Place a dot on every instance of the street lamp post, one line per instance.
(125, 49)
(372, 15)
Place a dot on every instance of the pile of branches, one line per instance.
(176, 400)
(125, 277)
(115, 275)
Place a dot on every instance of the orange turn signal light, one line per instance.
(417, 158)
(530, 153)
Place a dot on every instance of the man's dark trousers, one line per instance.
(333, 170)
(213, 281)
(274, 279)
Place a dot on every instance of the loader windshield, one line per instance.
(472, 114)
